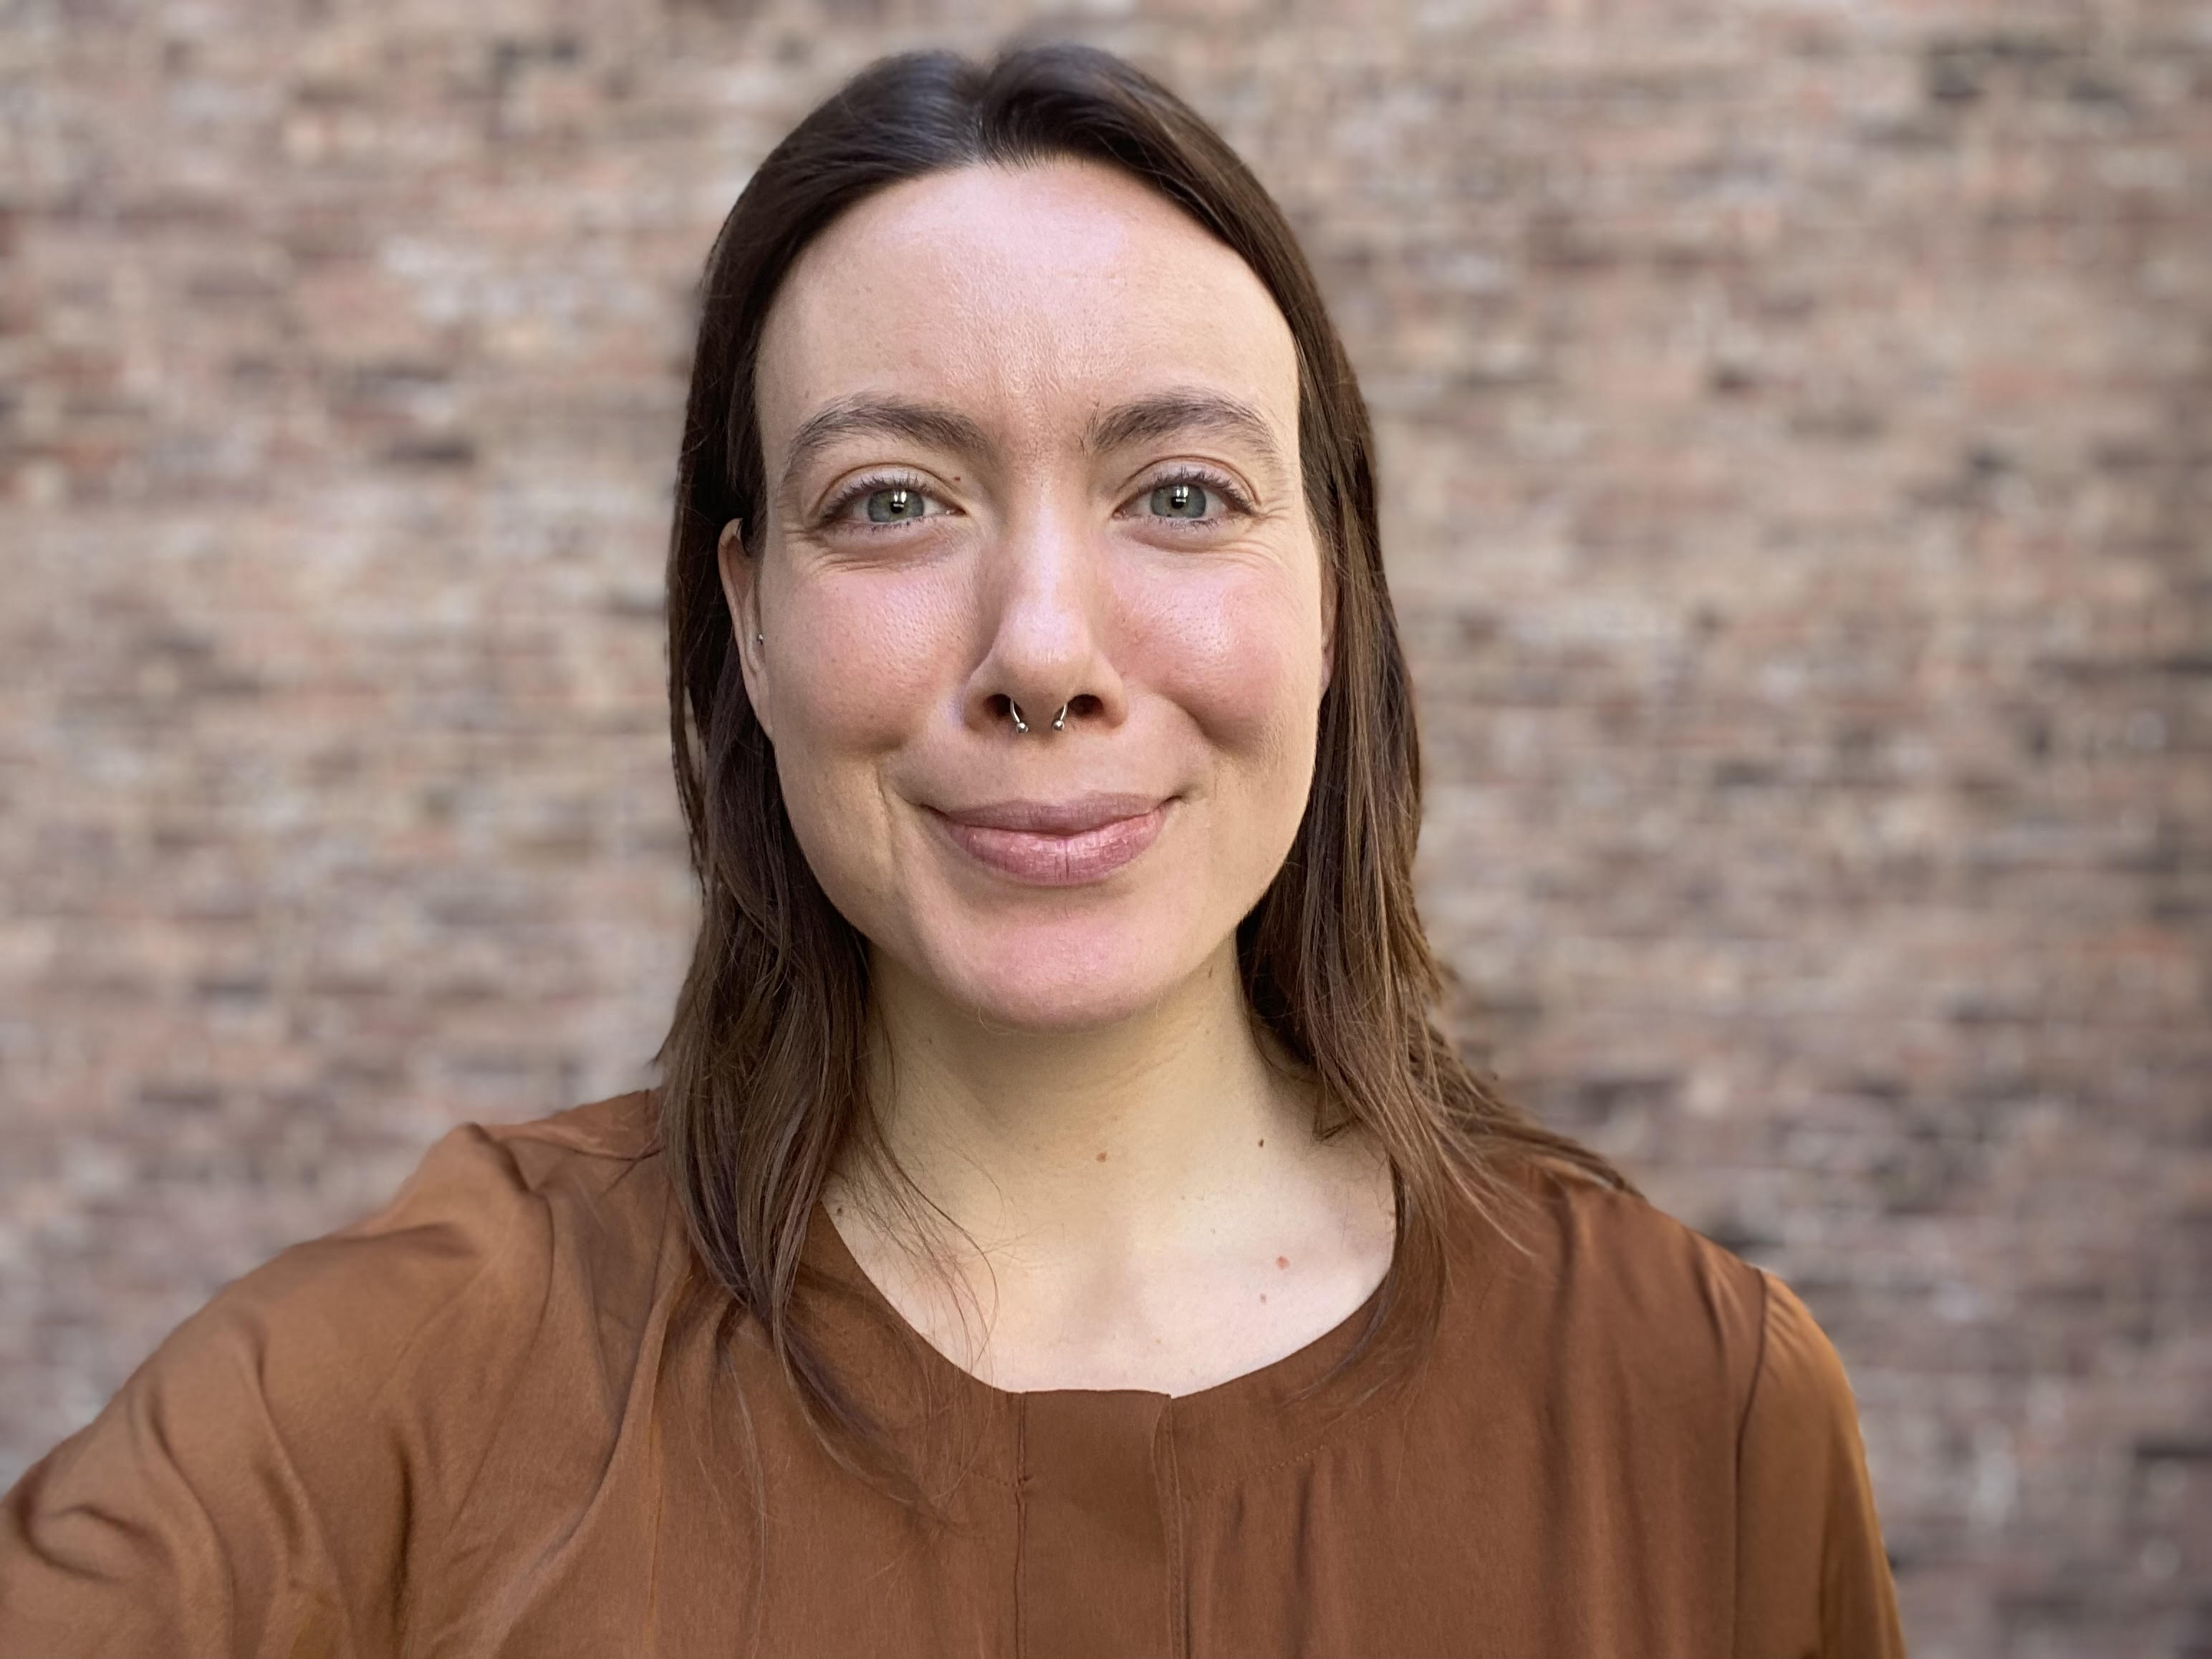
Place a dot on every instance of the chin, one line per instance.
(1065, 978)
(1078, 1006)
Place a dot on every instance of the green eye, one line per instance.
(1181, 500)
(895, 505)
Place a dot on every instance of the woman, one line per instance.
(1060, 1230)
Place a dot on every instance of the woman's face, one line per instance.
(1031, 440)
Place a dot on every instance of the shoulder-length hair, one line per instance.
(762, 1079)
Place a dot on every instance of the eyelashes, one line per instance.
(1219, 484)
(861, 489)
(1233, 499)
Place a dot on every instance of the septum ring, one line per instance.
(1059, 720)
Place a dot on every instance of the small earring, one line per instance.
(759, 638)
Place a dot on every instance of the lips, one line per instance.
(1055, 843)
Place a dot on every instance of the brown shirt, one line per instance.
(480, 1423)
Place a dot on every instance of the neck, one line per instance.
(1142, 1205)
(1104, 1140)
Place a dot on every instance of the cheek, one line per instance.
(1240, 652)
(858, 668)
(861, 660)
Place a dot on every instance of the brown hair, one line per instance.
(762, 1082)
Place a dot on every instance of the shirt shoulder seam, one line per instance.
(1759, 1365)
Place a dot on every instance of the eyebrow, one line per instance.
(1163, 415)
(894, 417)
(1168, 413)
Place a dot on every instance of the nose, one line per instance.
(1046, 621)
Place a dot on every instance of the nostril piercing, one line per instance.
(1060, 721)
(1015, 709)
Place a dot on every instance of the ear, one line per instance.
(741, 589)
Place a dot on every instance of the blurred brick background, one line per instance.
(1797, 428)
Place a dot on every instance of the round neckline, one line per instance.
(1271, 1416)
(1288, 1374)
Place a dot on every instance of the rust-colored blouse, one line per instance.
(482, 1423)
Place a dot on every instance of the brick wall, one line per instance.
(1799, 492)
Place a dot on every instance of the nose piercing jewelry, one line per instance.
(1059, 720)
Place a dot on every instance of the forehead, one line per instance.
(1029, 297)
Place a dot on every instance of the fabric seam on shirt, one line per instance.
(1178, 1588)
(1743, 1428)
(448, 1523)
(1757, 1370)
(328, 1562)
(1021, 1529)
(370, 1401)
(214, 1530)
(404, 1609)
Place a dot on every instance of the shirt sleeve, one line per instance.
(1813, 1580)
(257, 1487)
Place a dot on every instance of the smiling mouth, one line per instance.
(1055, 843)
